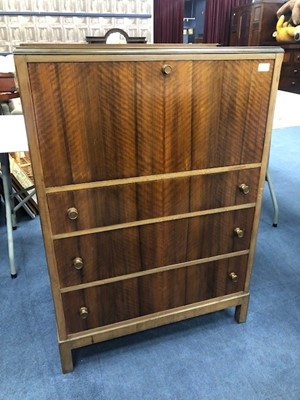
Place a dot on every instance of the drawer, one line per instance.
(119, 204)
(291, 72)
(131, 298)
(290, 84)
(99, 256)
(291, 57)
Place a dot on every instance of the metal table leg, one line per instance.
(273, 197)
(9, 210)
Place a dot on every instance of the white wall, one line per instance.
(23, 21)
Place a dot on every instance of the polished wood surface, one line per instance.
(118, 203)
(6, 96)
(149, 165)
(254, 24)
(8, 83)
(125, 251)
(120, 120)
(290, 72)
(132, 298)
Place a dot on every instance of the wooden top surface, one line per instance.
(151, 49)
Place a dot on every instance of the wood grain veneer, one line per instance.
(154, 119)
(118, 204)
(149, 164)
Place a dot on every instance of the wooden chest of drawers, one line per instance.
(253, 25)
(149, 164)
(290, 72)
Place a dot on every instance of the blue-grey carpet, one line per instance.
(210, 357)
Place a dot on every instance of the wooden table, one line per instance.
(5, 96)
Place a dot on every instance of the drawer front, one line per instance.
(98, 256)
(158, 126)
(148, 294)
(291, 57)
(291, 72)
(119, 204)
(290, 84)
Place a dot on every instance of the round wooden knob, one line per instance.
(233, 277)
(244, 188)
(83, 312)
(72, 213)
(78, 263)
(166, 69)
(239, 233)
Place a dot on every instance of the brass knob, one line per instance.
(244, 188)
(83, 312)
(78, 263)
(166, 69)
(72, 213)
(233, 277)
(239, 232)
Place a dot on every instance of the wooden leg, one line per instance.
(66, 357)
(241, 311)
